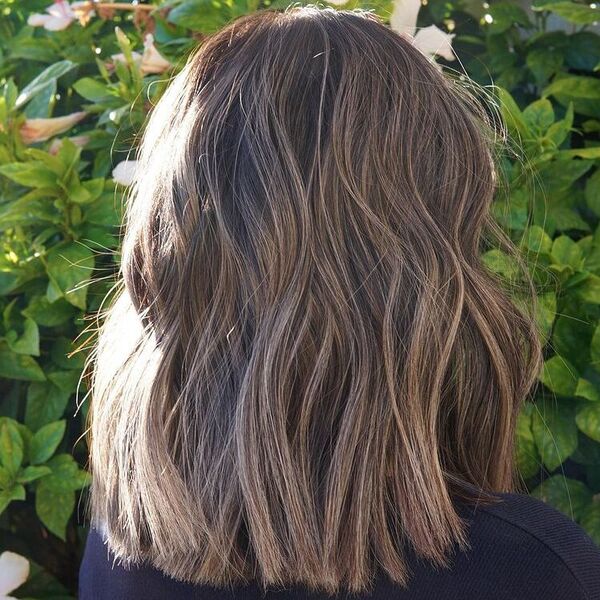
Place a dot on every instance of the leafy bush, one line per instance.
(60, 214)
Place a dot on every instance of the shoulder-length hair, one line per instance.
(306, 362)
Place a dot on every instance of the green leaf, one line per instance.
(592, 192)
(29, 341)
(537, 240)
(55, 495)
(545, 313)
(11, 446)
(583, 51)
(77, 194)
(557, 132)
(559, 376)
(512, 115)
(45, 442)
(104, 211)
(29, 474)
(34, 174)
(514, 213)
(10, 93)
(571, 337)
(539, 115)
(505, 15)
(527, 456)
(588, 248)
(595, 346)
(49, 314)
(501, 263)
(590, 520)
(569, 496)
(566, 252)
(65, 356)
(47, 401)
(554, 431)
(52, 73)
(586, 389)
(589, 289)
(580, 14)
(565, 218)
(589, 152)
(18, 366)
(66, 380)
(200, 15)
(6, 478)
(54, 508)
(588, 419)
(39, 107)
(543, 63)
(29, 48)
(575, 86)
(69, 269)
(92, 90)
(94, 187)
(17, 492)
(66, 474)
(50, 160)
(68, 154)
(559, 175)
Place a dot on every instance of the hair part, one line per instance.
(306, 362)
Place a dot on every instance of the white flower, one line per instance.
(60, 15)
(14, 570)
(429, 40)
(151, 61)
(40, 130)
(124, 172)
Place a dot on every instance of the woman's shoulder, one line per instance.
(519, 548)
(533, 535)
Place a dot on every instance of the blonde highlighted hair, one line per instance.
(306, 361)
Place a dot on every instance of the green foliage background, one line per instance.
(60, 214)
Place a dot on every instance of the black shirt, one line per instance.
(521, 549)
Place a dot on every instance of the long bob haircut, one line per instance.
(306, 362)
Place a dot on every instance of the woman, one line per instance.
(308, 382)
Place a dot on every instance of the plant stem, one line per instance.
(120, 6)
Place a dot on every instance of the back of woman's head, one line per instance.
(307, 360)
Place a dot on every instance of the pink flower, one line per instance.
(40, 130)
(60, 15)
(430, 40)
(135, 56)
(14, 570)
(78, 140)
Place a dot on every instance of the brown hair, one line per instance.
(306, 361)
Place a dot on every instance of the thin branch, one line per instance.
(117, 6)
